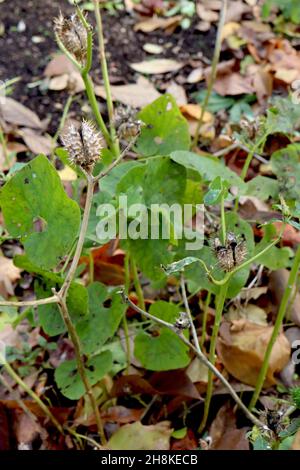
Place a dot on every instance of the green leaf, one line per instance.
(68, 380)
(208, 167)
(50, 318)
(262, 187)
(34, 196)
(109, 182)
(275, 258)
(178, 266)
(165, 128)
(102, 322)
(179, 433)
(216, 190)
(163, 352)
(283, 116)
(285, 165)
(216, 101)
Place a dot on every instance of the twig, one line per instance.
(213, 74)
(115, 162)
(200, 355)
(29, 303)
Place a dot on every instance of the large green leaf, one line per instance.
(286, 166)
(68, 380)
(102, 322)
(208, 167)
(37, 210)
(165, 351)
(165, 128)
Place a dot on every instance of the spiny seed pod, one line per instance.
(84, 145)
(73, 35)
(232, 254)
(128, 127)
(183, 321)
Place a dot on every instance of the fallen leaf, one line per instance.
(67, 174)
(249, 312)
(9, 274)
(233, 84)
(153, 48)
(35, 142)
(296, 441)
(194, 111)
(178, 92)
(16, 113)
(108, 266)
(230, 29)
(27, 429)
(290, 236)
(136, 95)
(277, 282)
(205, 14)
(157, 66)
(59, 65)
(59, 82)
(156, 22)
(136, 436)
(242, 352)
(196, 75)
(224, 433)
(121, 414)
(197, 371)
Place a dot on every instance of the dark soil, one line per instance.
(26, 52)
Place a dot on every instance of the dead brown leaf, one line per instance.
(35, 142)
(178, 92)
(242, 351)
(157, 66)
(9, 274)
(224, 432)
(136, 95)
(17, 114)
(136, 436)
(59, 65)
(156, 22)
(233, 84)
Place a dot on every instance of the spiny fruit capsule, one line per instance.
(73, 35)
(84, 145)
(232, 254)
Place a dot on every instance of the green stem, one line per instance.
(204, 321)
(223, 221)
(125, 324)
(276, 330)
(104, 69)
(31, 393)
(213, 74)
(212, 351)
(137, 285)
(4, 148)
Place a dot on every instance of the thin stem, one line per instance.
(80, 366)
(223, 220)
(125, 324)
(4, 147)
(103, 62)
(88, 203)
(115, 162)
(201, 356)
(31, 393)
(212, 352)
(29, 303)
(188, 311)
(137, 285)
(213, 74)
(204, 321)
(276, 330)
(89, 87)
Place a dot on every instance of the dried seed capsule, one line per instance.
(232, 254)
(183, 321)
(73, 35)
(84, 145)
(128, 127)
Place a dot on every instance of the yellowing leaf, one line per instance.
(136, 436)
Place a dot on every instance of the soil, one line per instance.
(27, 44)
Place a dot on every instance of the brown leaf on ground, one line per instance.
(4, 429)
(249, 312)
(59, 65)
(121, 415)
(242, 351)
(285, 60)
(9, 274)
(224, 432)
(178, 92)
(108, 265)
(277, 282)
(16, 113)
(136, 436)
(296, 441)
(290, 236)
(157, 66)
(156, 22)
(27, 429)
(136, 95)
(35, 142)
(233, 84)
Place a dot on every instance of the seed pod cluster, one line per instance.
(73, 35)
(128, 127)
(182, 322)
(232, 254)
(84, 145)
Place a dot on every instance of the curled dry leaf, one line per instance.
(224, 432)
(278, 282)
(136, 436)
(196, 75)
(197, 371)
(16, 113)
(9, 274)
(157, 66)
(242, 351)
(136, 95)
